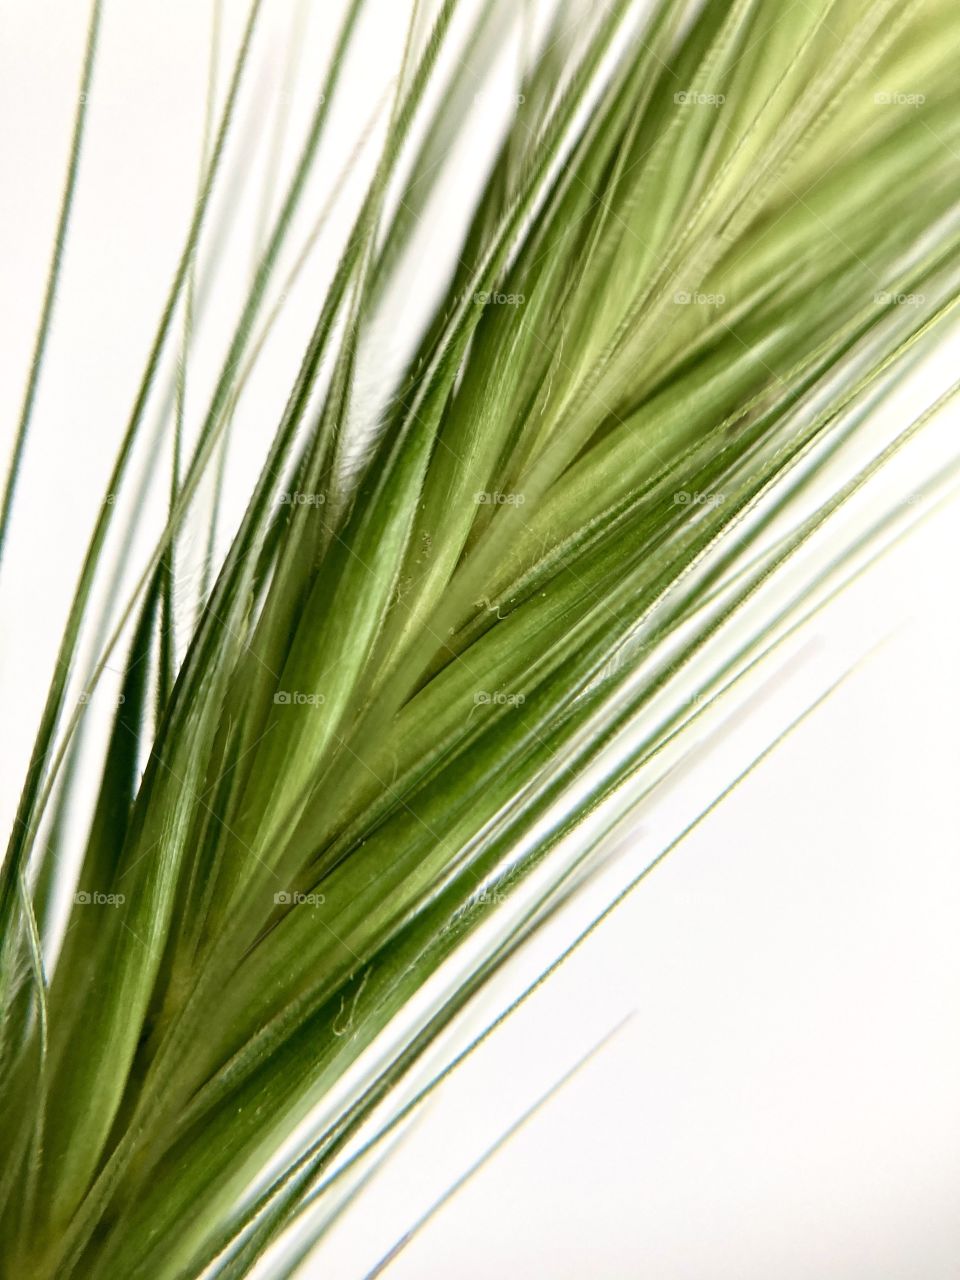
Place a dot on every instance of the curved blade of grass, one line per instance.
(53, 274)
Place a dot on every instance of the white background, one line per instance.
(782, 1100)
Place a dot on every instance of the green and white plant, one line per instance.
(482, 596)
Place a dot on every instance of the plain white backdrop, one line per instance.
(782, 1098)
